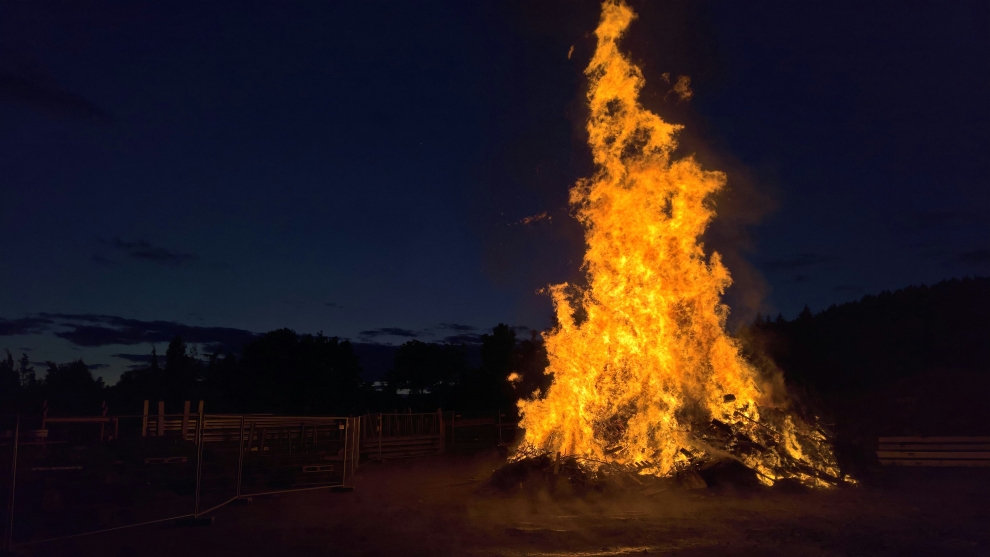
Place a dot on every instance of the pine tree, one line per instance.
(26, 372)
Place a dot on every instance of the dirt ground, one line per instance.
(432, 507)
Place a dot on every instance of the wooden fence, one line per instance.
(934, 451)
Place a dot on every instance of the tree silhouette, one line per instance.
(71, 389)
(421, 366)
(26, 372)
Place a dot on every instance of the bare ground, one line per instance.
(433, 507)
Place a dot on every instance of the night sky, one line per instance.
(366, 169)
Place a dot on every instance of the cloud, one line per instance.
(144, 358)
(456, 327)
(976, 258)
(796, 261)
(142, 250)
(389, 331)
(90, 330)
(463, 338)
(333, 305)
(24, 326)
(97, 366)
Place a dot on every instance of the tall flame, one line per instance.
(648, 366)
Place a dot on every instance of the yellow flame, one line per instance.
(649, 359)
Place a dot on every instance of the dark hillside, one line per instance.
(915, 361)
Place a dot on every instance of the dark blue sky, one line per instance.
(362, 168)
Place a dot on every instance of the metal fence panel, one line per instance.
(291, 453)
(88, 474)
(84, 475)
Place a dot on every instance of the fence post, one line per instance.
(8, 530)
(380, 426)
(199, 457)
(103, 424)
(347, 427)
(161, 419)
(144, 421)
(357, 444)
(185, 420)
(240, 458)
(440, 429)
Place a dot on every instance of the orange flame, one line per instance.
(649, 363)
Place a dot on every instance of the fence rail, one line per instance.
(934, 451)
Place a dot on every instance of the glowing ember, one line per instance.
(647, 377)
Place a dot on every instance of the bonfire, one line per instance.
(645, 377)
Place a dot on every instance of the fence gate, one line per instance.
(401, 435)
(292, 453)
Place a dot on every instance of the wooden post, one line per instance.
(440, 427)
(101, 423)
(144, 421)
(250, 437)
(200, 413)
(356, 440)
(240, 458)
(161, 418)
(185, 419)
(199, 456)
(347, 429)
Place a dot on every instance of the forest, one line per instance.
(909, 361)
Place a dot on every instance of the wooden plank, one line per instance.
(55, 468)
(144, 421)
(906, 462)
(934, 447)
(971, 455)
(80, 420)
(184, 428)
(314, 468)
(935, 439)
(408, 438)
